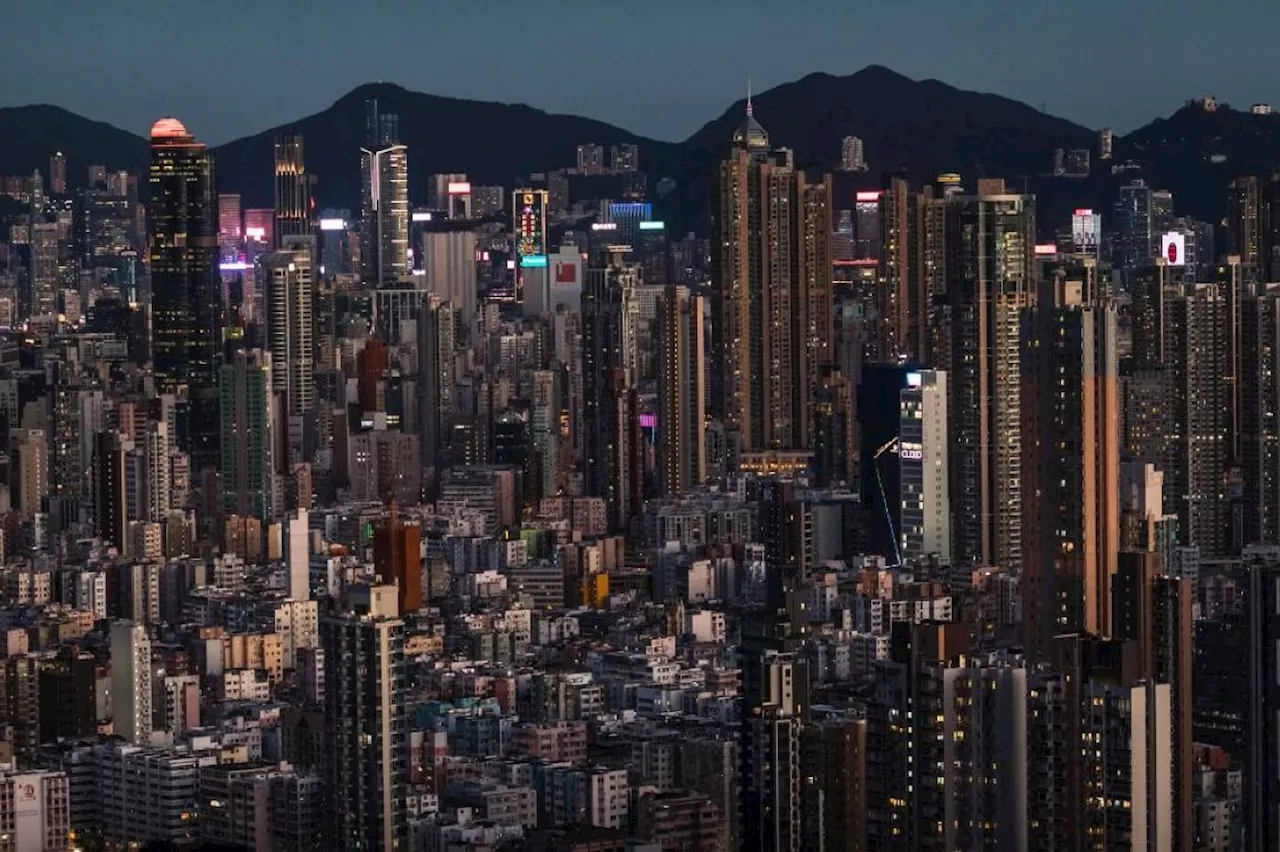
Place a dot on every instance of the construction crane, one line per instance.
(889, 446)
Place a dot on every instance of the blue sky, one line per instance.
(660, 68)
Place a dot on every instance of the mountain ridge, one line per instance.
(922, 127)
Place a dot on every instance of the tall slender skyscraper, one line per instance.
(1260, 432)
(990, 240)
(293, 191)
(1198, 425)
(1071, 472)
(893, 277)
(289, 290)
(771, 259)
(923, 476)
(186, 300)
(248, 472)
(682, 391)
(1243, 235)
(384, 201)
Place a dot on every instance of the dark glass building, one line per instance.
(186, 300)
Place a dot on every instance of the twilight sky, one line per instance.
(657, 67)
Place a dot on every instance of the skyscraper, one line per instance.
(1260, 429)
(367, 748)
(1155, 611)
(893, 276)
(1243, 233)
(1197, 426)
(990, 239)
(602, 357)
(1071, 475)
(924, 478)
(110, 500)
(771, 259)
(436, 406)
(682, 391)
(384, 201)
(58, 173)
(293, 191)
(186, 294)
(248, 471)
(289, 293)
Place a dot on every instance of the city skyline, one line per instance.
(658, 75)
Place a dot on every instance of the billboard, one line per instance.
(333, 225)
(1086, 227)
(531, 223)
(421, 216)
(653, 226)
(567, 273)
(867, 197)
(1173, 248)
(459, 187)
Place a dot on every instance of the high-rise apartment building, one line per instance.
(1198, 424)
(1071, 474)
(1260, 426)
(894, 300)
(384, 201)
(131, 682)
(436, 406)
(293, 191)
(990, 240)
(1155, 611)
(775, 691)
(771, 259)
(835, 451)
(682, 390)
(924, 482)
(289, 293)
(248, 431)
(367, 748)
(186, 294)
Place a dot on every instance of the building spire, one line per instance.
(750, 112)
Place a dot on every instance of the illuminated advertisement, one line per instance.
(1173, 248)
(652, 226)
(421, 216)
(533, 261)
(459, 187)
(604, 226)
(1086, 227)
(531, 225)
(333, 225)
(567, 273)
(1046, 249)
(867, 197)
(258, 234)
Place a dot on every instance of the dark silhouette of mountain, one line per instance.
(30, 134)
(1195, 152)
(492, 143)
(925, 127)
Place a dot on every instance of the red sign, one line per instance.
(1173, 252)
(566, 272)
